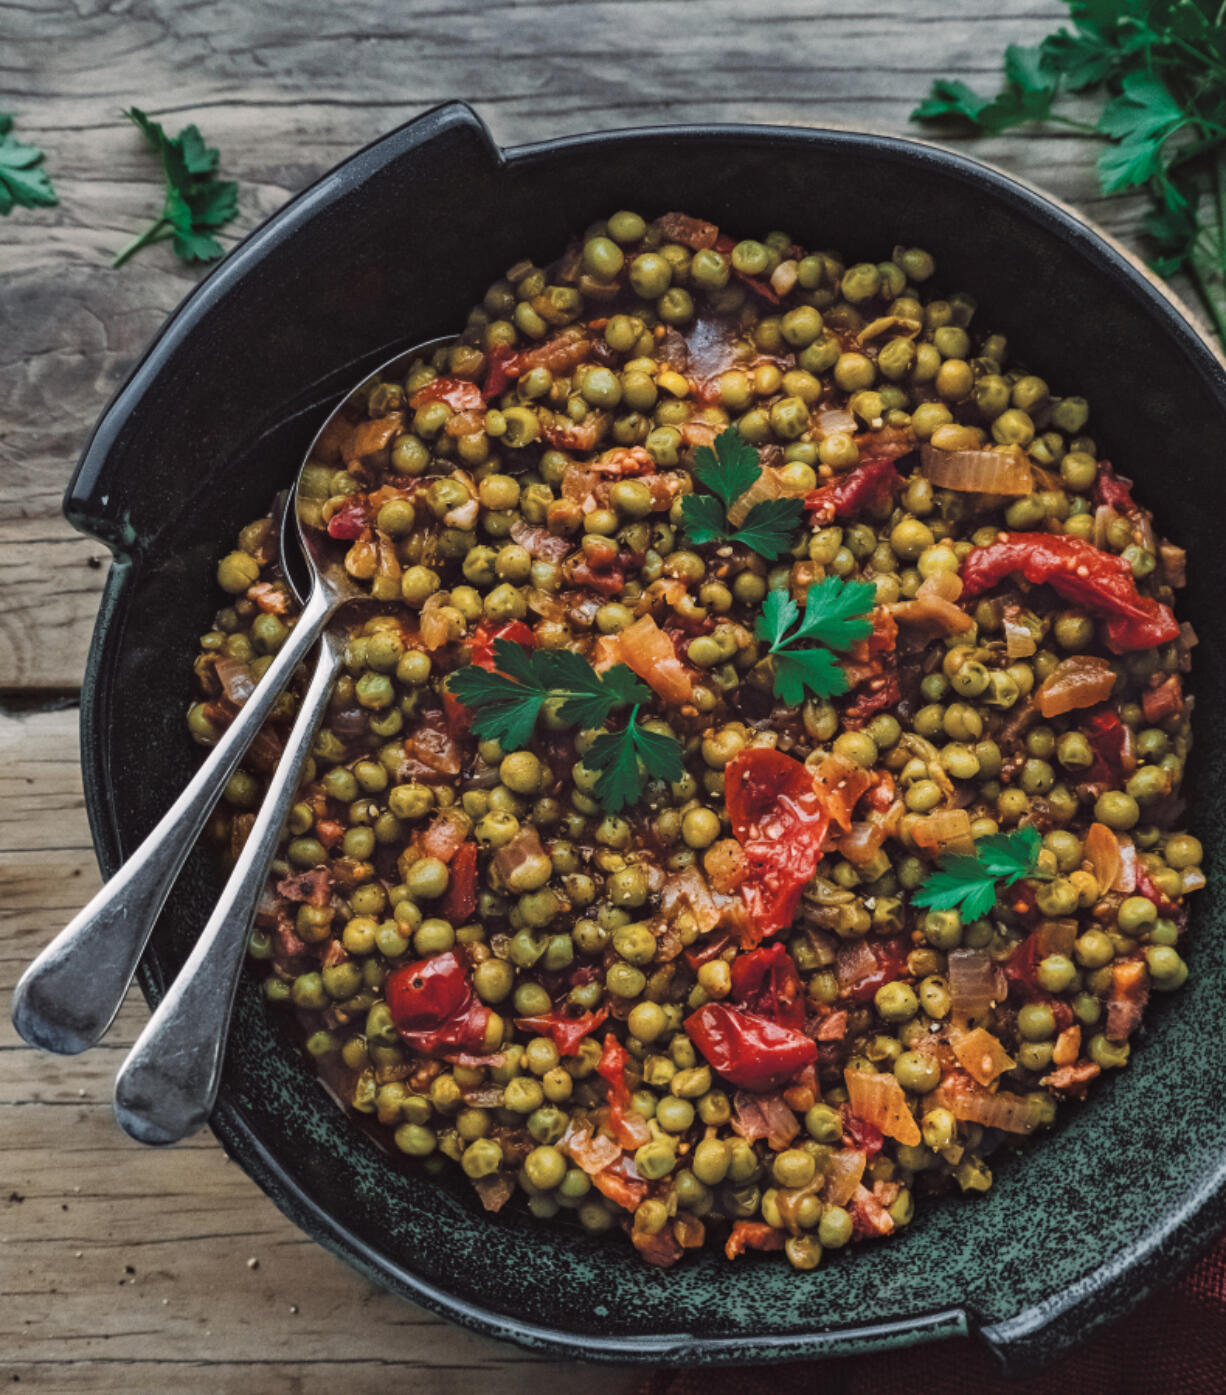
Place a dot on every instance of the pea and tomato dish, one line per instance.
(754, 802)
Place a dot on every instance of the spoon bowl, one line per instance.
(69, 995)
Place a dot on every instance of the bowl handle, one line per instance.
(442, 152)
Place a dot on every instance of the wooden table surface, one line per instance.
(129, 1270)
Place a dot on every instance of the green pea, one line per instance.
(674, 1114)
(835, 1228)
(647, 1021)
(1117, 810)
(917, 1071)
(896, 1002)
(823, 1124)
(1135, 913)
(794, 1168)
(1107, 1054)
(655, 1159)
(710, 1161)
(650, 275)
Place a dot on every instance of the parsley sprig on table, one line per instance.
(1160, 67)
(507, 701)
(22, 182)
(835, 617)
(196, 201)
(969, 883)
(728, 471)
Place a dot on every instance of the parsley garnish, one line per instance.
(835, 616)
(626, 760)
(507, 700)
(21, 181)
(1161, 65)
(969, 883)
(195, 201)
(728, 471)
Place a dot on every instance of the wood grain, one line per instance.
(123, 1269)
(126, 1269)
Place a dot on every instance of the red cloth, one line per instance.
(1174, 1343)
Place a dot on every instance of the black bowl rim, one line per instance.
(1159, 1254)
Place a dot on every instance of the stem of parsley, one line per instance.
(156, 232)
(1087, 128)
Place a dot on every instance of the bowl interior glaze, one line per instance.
(392, 248)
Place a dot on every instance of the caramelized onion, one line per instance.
(839, 784)
(879, 1100)
(948, 830)
(540, 542)
(903, 326)
(1103, 852)
(688, 889)
(853, 962)
(1019, 637)
(934, 605)
(236, 679)
(833, 421)
(1006, 471)
(1081, 680)
(650, 653)
(591, 1152)
(843, 1174)
(1174, 564)
(526, 844)
(1013, 1113)
(972, 982)
(770, 484)
(981, 1055)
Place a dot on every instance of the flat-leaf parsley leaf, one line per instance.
(507, 700)
(1160, 66)
(196, 202)
(836, 616)
(729, 471)
(21, 181)
(969, 883)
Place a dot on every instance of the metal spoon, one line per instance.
(166, 1088)
(69, 995)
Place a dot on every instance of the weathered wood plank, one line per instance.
(281, 102)
(127, 1268)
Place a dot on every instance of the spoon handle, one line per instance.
(69, 995)
(166, 1088)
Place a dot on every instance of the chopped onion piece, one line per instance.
(854, 961)
(1102, 849)
(1174, 564)
(879, 1100)
(833, 421)
(236, 679)
(903, 326)
(1005, 471)
(783, 278)
(1013, 1113)
(1104, 516)
(934, 605)
(650, 653)
(770, 484)
(1081, 680)
(972, 982)
(981, 1055)
(843, 1174)
(1126, 881)
(948, 830)
(839, 784)
(1019, 637)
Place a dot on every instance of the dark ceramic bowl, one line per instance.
(392, 248)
